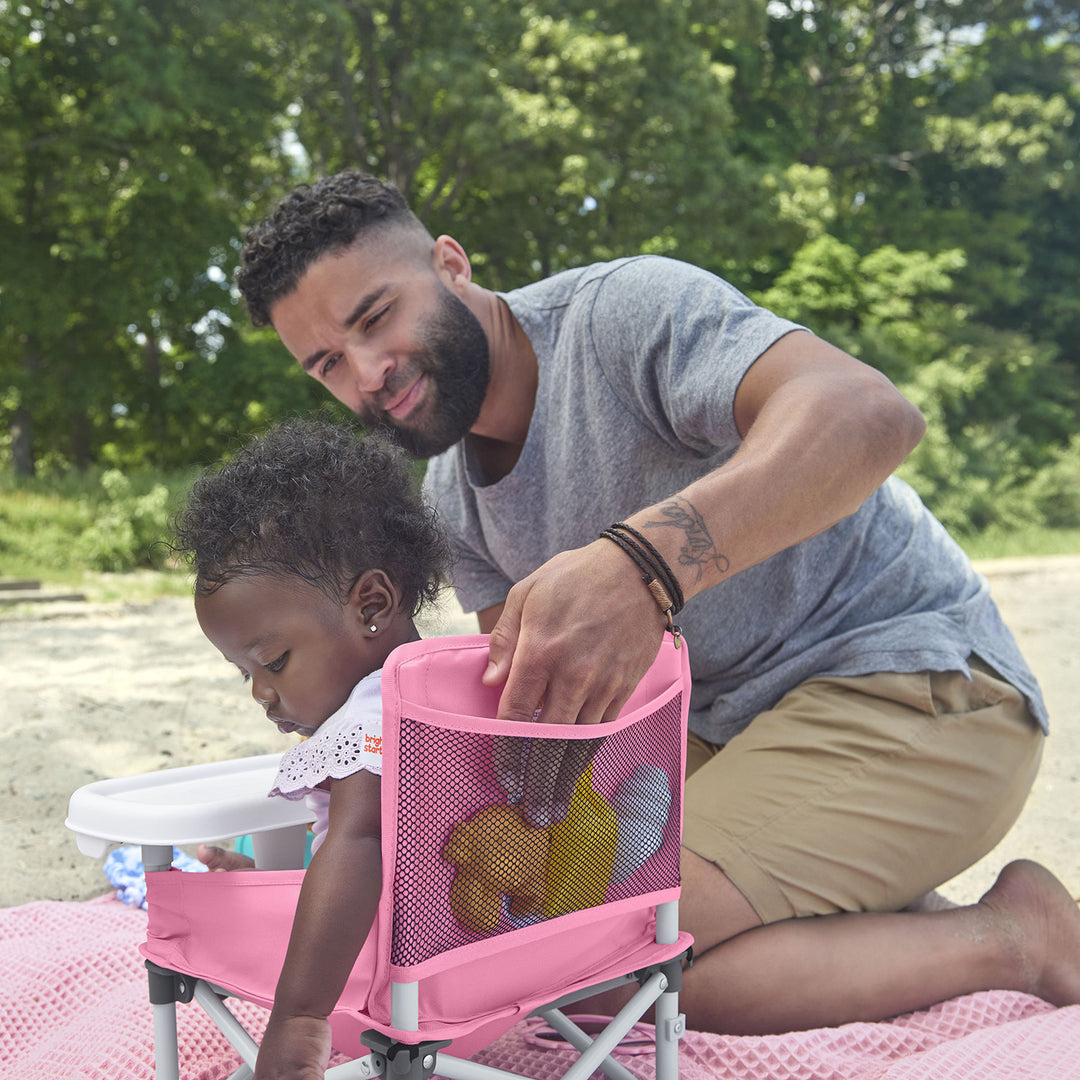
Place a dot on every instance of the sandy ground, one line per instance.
(90, 691)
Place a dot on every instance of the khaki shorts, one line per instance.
(861, 794)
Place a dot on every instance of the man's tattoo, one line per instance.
(698, 549)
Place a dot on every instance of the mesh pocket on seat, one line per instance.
(467, 865)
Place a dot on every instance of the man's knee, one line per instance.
(711, 907)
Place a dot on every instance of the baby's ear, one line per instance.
(373, 599)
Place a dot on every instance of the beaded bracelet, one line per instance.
(655, 572)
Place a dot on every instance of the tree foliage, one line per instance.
(125, 170)
(900, 177)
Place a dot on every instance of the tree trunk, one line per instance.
(22, 442)
(22, 420)
(152, 369)
(80, 440)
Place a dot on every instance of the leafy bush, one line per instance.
(126, 526)
(74, 521)
(1056, 489)
(986, 461)
(37, 530)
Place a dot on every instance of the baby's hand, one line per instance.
(294, 1048)
(215, 858)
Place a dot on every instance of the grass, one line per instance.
(1022, 543)
(101, 587)
(61, 532)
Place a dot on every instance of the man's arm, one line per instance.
(821, 431)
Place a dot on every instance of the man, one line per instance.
(863, 726)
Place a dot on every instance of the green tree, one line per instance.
(901, 178)
(132, 138)
(937, 126)
(541, 141)
(1001, 410)
(928, 210)
(1000, 177)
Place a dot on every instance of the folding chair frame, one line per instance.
(659, 986)
(101, 813)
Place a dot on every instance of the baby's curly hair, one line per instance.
(312, 221)
(316, 499)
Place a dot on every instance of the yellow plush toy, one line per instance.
(582, 852)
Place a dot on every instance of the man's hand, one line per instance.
(294, 1048)
(540, 775)
(574, 639)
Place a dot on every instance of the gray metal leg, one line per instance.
(166, 1053)
(613, 1034)
(405, 1006)
(231, 1028)
(166, 1056)
(670, 1025)
(280, 849)
(577, 1038)
(156, 857)
(667, 922)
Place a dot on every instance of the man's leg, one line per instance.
(807, 835)
(862, 794)
(824, 970)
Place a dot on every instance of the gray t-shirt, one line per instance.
(639, 360)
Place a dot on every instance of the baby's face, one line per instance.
(300, 650)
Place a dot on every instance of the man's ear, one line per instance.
(452, 264)
(373, 599)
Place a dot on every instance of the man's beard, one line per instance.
(454, 355)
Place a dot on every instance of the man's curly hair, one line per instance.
(312, 221)
(316, 499)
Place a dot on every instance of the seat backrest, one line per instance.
(589, 914)
(452, 836)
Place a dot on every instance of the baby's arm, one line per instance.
(333, 916)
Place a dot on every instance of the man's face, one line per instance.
(390, 341)
(453, 358)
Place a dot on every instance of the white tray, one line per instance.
(188, 805)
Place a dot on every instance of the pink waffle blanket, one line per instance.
(73, 1005)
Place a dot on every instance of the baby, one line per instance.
(312, 555)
